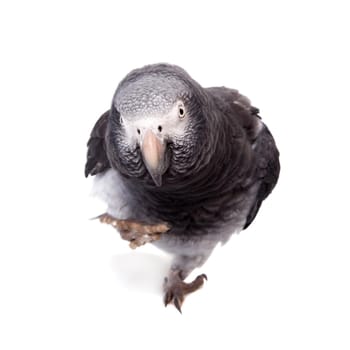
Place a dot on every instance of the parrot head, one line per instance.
(155, 118)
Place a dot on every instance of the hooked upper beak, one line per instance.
(153, 153)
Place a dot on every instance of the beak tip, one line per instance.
(157, 179)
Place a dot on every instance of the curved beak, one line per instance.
(153, 151)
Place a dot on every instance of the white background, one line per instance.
(70, 283)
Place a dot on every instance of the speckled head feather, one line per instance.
(148, 96)
(152, 90)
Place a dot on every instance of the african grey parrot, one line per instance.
(181, 166)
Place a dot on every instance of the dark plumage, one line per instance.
(198, 159)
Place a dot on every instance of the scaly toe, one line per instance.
(176, 289)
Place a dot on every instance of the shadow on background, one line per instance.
(141, 271)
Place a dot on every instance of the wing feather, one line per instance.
(97, 160)
(266, 155)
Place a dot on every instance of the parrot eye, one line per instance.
(181, 111)
(138, 131)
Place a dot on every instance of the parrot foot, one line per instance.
(136, 232)
(176, 289)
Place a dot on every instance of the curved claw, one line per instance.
(168, 297)
(177, 300)
(178, 304)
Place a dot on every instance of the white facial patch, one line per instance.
(165, 126)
